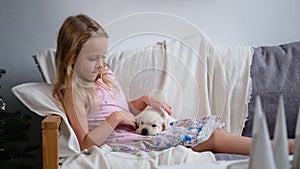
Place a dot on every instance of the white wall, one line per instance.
(29, 26)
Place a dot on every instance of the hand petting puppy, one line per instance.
(138, 105)
(158, 103)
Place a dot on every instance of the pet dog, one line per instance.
(153, 121)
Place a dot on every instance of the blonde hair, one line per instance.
(73, 34)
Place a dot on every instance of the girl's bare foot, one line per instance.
(291, 143)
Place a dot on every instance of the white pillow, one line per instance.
(38, 98)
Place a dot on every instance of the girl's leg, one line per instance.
(223, 142)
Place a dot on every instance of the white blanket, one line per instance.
(236, 62)
(196, 77)
(104, 158)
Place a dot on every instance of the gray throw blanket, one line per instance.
(275, 71)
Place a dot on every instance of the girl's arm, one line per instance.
(138, 105)
(97, 136)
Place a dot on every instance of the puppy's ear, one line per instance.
(163, 113)
(137, 120)
(164, 126)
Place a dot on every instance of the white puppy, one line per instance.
(153, 121)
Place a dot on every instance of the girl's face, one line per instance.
(90, 58)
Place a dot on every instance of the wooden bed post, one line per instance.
(50, 127)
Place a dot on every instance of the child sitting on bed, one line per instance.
(97, 109)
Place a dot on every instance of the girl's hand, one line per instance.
(158, 103)
(141, 103)
(127, 119)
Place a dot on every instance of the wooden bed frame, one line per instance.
(50, 128)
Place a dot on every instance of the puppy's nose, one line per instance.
(144, 132)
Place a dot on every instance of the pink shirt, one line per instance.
(109, 100)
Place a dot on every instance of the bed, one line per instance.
(216, 80)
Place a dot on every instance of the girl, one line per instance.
(97, 109)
